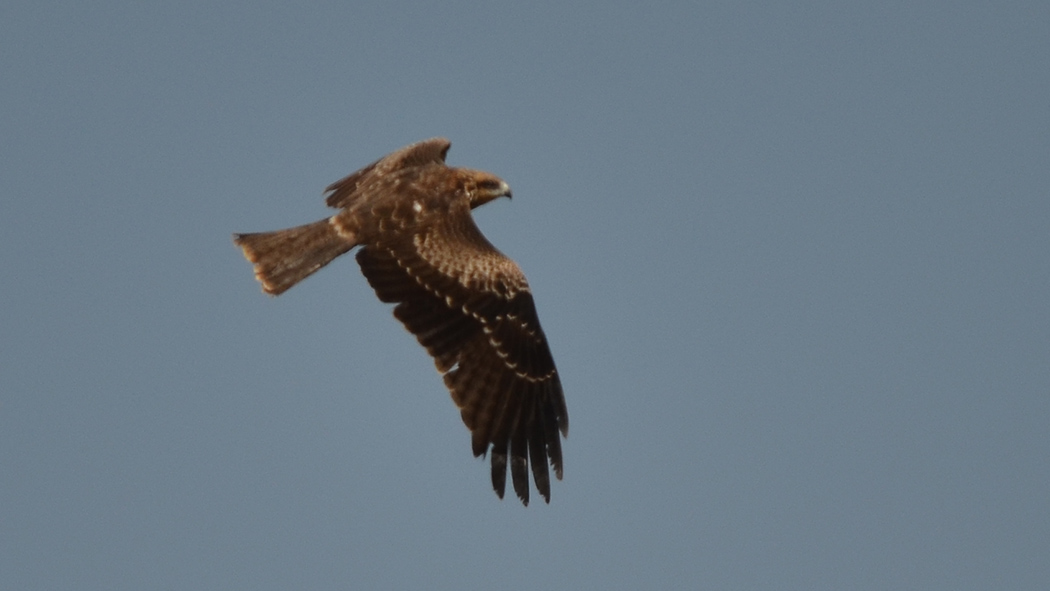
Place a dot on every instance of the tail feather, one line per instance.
(286, 257)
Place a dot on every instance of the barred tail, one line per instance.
(286, 257)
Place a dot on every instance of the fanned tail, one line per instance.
(286, 257)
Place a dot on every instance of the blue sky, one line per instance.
(792, 260)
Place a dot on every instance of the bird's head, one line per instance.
(483, 187)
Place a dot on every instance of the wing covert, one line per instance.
(344, 192)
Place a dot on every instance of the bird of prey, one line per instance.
(466, 303)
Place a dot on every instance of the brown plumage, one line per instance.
(466, 303)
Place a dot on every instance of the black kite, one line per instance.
(466, 303)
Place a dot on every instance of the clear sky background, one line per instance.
(793, 260)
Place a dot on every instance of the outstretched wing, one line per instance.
(471, 308)
(345, 191)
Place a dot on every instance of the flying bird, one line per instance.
(465, 301)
